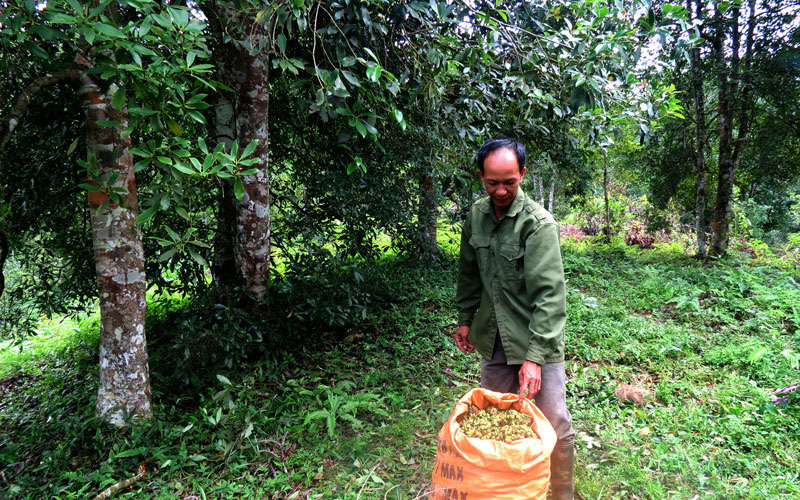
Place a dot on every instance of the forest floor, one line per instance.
(352, 411)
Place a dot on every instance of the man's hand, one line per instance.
(530, 379)
(462, 340)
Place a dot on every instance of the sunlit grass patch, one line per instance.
(54, 339)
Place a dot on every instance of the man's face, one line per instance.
(502, 177)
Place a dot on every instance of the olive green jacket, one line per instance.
(511, 280)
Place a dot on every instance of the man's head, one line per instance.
(501, 165)
(493, 145)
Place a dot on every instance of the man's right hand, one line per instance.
(462, 340)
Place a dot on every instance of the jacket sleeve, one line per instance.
(468, 291)
(544, 279)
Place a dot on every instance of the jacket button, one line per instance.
(496, 301)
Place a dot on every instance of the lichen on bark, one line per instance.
(124, 389)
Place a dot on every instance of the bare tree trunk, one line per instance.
(243, 117)
(722, 209)
(551, 203)
(223, 267)
(700, 138)
(730, 148)
(427, 213)
(3, 256)
(540, 184)
(605, 195)
(119, 263)
(252, 123)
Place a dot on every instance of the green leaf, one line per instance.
(91, 187)
(374, 72)
(108, 123)
(174, 127)
(361, 128)
(757, 355)
(72, 147)
(130, 453)
(140, 152)
(162, 20)
(197, 257)
(167, 255)
(350, 77)
(147, 214)
(250, 148)
(281, 41)
(118, 101)
(108, 30)
(58, 18)
(238, 189)
(398, 115)
(136, 110)
(372, 130)
(172, 234)
(357, 163)
(196, 116)
(224, 380)
(180, 167)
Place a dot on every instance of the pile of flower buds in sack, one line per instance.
(494, 423)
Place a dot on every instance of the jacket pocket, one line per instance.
(481, 245)
(512, 261)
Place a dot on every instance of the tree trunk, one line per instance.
(605, 195)
(223, 267)
(730, 148)
(540, 185)
(552, 199)
(251, 75)
(242, 242)
(722, 209)
(428, 214)
(119, 264)
(700, 138)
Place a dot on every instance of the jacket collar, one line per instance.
(516, 206)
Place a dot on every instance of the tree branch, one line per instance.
(106, 493)
(8, 125)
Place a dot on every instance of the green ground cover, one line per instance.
(294, 406)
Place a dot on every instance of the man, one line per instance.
(511, 298)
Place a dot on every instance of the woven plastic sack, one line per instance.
(479, 469)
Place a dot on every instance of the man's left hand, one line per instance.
(530, 379)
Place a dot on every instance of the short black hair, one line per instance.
(493, 145)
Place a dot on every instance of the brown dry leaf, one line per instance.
(631, 392)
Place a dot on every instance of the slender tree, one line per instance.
(698, 90)
(99, 50)
(734, 91)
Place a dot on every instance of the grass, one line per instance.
(351, 411)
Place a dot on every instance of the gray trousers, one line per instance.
(498, 376)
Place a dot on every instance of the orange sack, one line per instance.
(479, 469)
